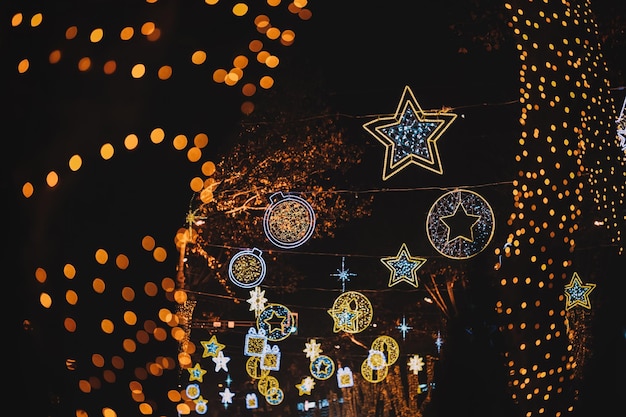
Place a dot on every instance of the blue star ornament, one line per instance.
(410, 136)
(578, 293)
(403, 267)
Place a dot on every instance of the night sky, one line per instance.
(353, 57)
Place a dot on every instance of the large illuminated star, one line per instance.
(403, 267)
(578, 293)
(211, 347)
(410, 136)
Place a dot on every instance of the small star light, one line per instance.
(227, 397)
(439, 341)
(416, 364)
(343, 274)
(196, 373)
(257, 301)
(305, 386)
(211, 347)
(312, 349)
(404, 327)
(410, 136)
(403, 267)
(578, 293)
(221, 362)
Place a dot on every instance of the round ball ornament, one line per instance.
(289, 220)
(247, 268)
(192, 391)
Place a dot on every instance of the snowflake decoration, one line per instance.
(416, 364)
(312, 349)
(257, 301)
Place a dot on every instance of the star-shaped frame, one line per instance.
(211, 347)
(578, 293)
(403, 267)
(196, 373)
(410, 136)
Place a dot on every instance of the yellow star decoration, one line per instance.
(345, 318)
(211, 347)
(578, 293)
(410, 136)
(196, 373)
(403, 267)
(305, 386)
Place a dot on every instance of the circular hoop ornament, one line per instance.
(266, 383)
(352, 312)
(373, 375)
(389, 347)
(276, 321)
(253, 368)
(247, 268)
(274, 396)
(322, 367)
(289, 220)
(460, 224)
